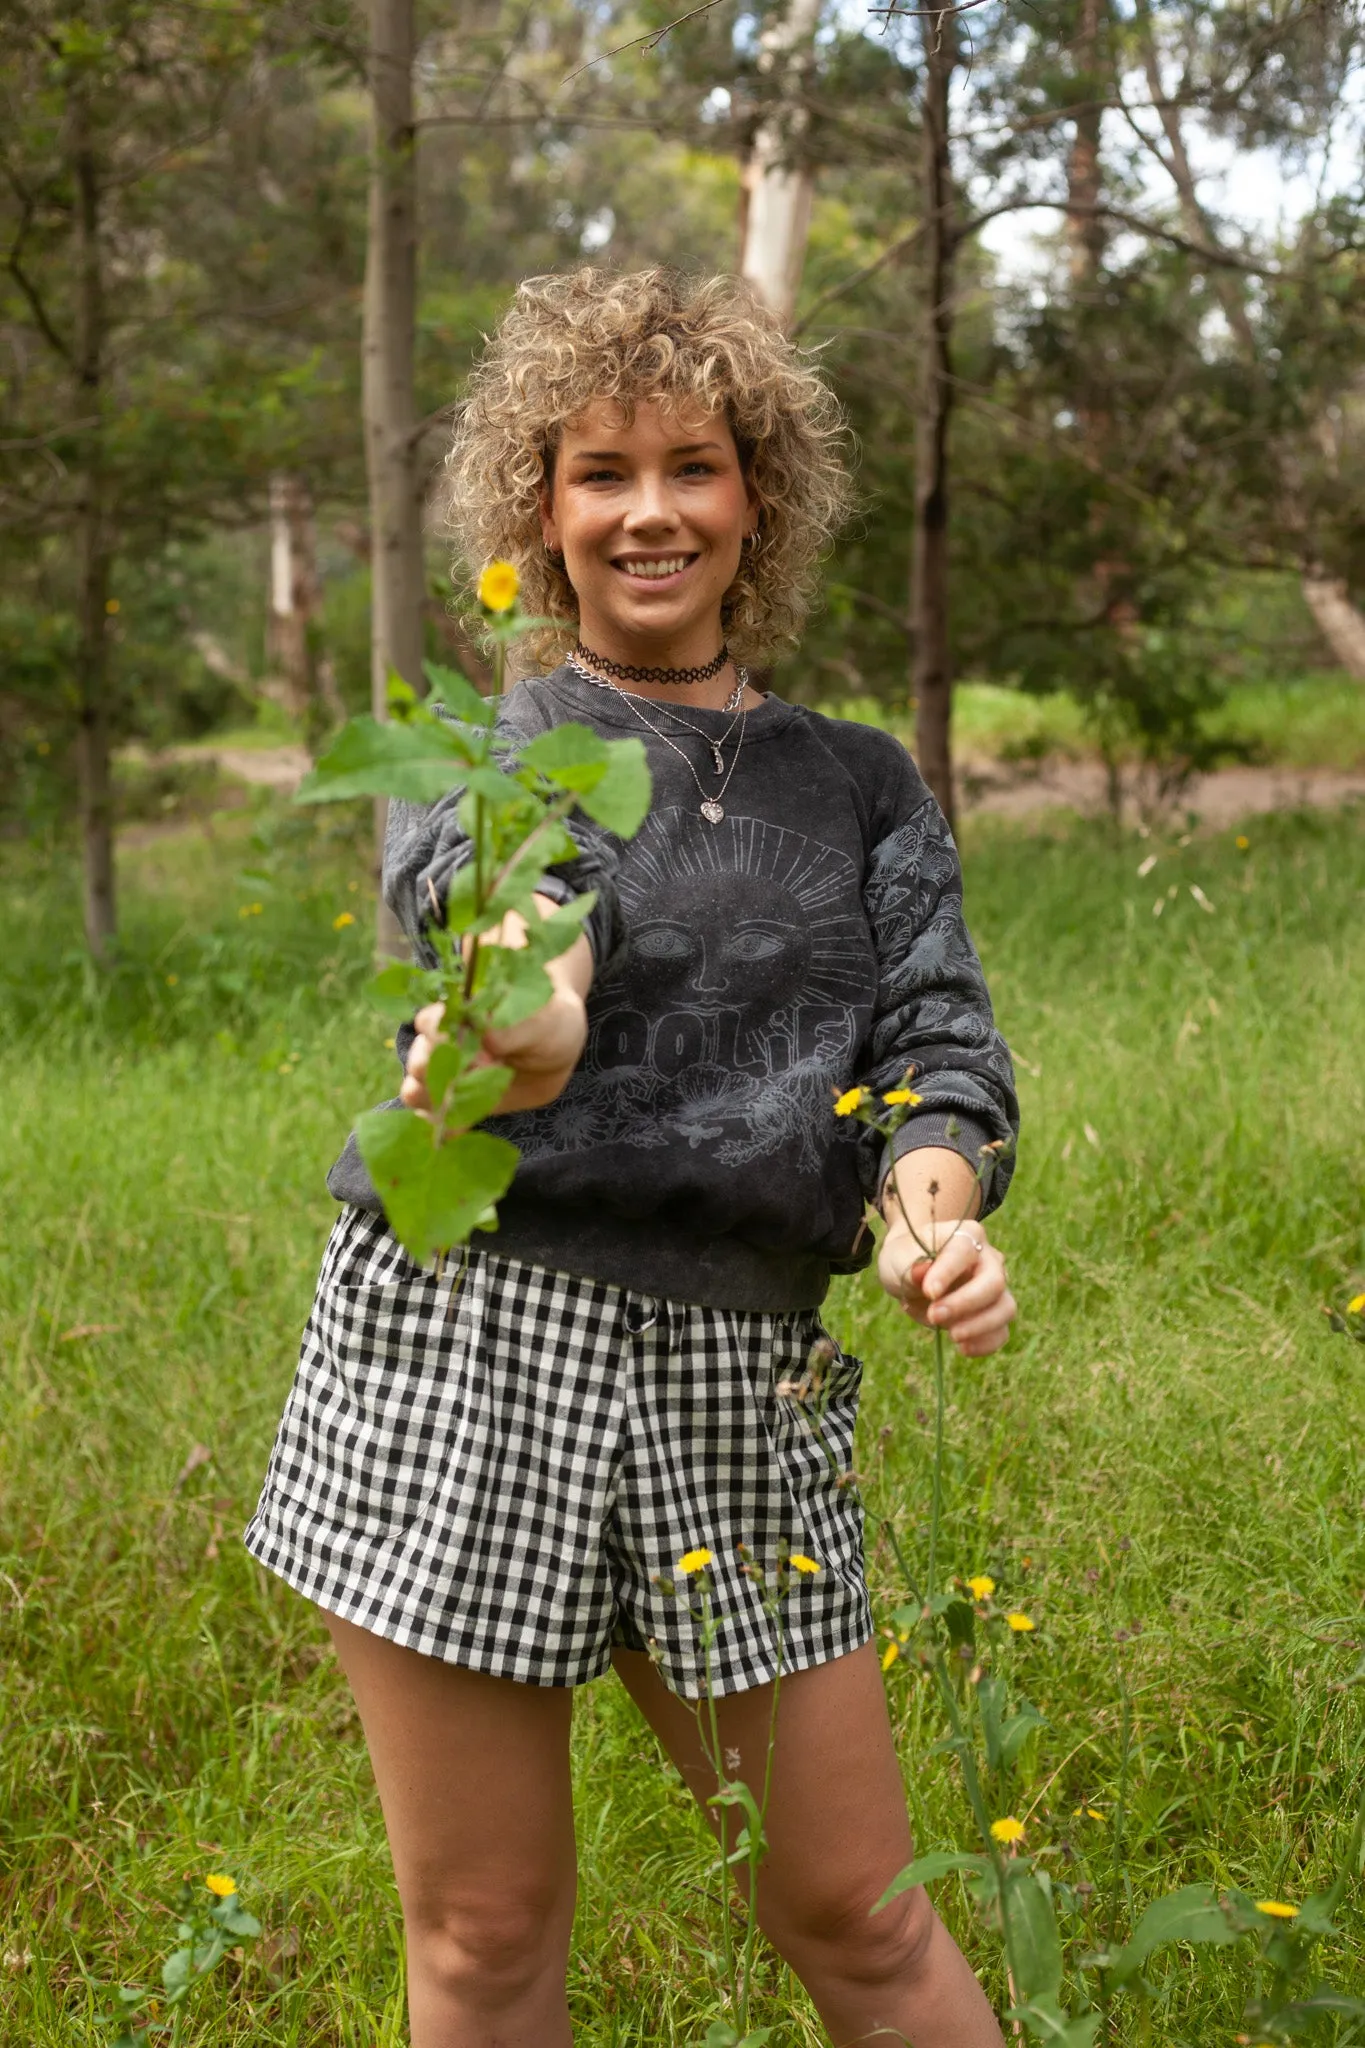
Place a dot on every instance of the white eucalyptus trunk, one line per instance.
(779, 184)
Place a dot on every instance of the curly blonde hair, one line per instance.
(568, 341)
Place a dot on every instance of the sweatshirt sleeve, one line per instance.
(933, 1010)
(425, 844)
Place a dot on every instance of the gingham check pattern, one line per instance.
(493, 1467)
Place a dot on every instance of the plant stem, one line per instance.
(714, 1757)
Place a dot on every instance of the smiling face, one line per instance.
(650, 517)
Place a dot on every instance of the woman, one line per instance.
(482, 1484)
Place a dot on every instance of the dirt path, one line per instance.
(1218, 800)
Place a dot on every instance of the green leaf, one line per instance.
(370, 757)
(925, 1869)
(620, 801)
(434, 1195)
(456, 692)
(1034, 1945)
(573, 757)
(477, 1090)
(1046, 2020)
(242, 1925)
(1192, 1914)
(1003, 1737)
(400, 989)
(177, 1969)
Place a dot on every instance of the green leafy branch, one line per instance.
(439, 1176)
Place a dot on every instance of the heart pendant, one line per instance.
(712, 811)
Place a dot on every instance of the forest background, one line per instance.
(1088, 278)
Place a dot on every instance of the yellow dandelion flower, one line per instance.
(1357, 1306)
(112, 606)
(896, 1095)
(498, 587)
(694, 1561)
(1007, 1830)
(1275, 1909)
(1020, 1623)
(171, 980)
(849, 1101)
(221, 1887)
(340, 922)
(981, 1587)
(1242, 842)
(800, 1563)
(889, 1655)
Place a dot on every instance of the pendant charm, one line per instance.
(716, 755)
(712, 811)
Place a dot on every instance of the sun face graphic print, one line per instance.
(734, 1003)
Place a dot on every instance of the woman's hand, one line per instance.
(962, 1290)
(542, 1050)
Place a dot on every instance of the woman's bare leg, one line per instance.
(837, 1834)
(473, 1776)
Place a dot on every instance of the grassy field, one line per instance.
(1167, 1467)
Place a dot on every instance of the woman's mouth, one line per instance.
(656, 571)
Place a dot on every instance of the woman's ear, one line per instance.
(549, 529)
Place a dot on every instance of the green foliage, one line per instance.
(440, 1181)
(208, 1929)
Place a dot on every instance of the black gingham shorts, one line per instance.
(492, 1467)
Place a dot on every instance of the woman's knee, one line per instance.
(840, 1937)
(488, 1949)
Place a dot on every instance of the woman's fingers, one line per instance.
(982, 1286)
(429, 1020)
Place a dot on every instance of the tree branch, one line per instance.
(1152, 229)
(836, 291)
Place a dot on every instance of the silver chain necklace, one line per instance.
(712, 809)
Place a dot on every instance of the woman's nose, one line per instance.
(651, 505)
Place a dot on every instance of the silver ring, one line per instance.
(979, 1242)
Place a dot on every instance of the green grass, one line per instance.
(1174, 1443)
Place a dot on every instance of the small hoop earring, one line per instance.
(556, 554)
(752, 541)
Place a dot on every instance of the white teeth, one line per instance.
(668, 568)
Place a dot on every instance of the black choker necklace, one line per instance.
(654, 675)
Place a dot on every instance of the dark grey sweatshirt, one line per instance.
(746, 973)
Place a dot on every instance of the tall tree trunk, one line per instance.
(293, 645)
(1084, 228)
(931, 671)
(398, 576)
(1338, 618)
(779, 185)
(94, 783)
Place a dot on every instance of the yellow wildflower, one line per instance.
(1092, 1811)
(1242, 842)
(1007, 1830)
(1020, 1623)
(1357, 1306)
(498, 587)
(850, 1100)
(694, 1561)
(896, 1095)
(981, 1587)
(112, 606)
(171, 980)
(222, 1887)
(1274, 1909)
(801, 1563)
(250, 910)
(889, 1655)
(340, 922)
